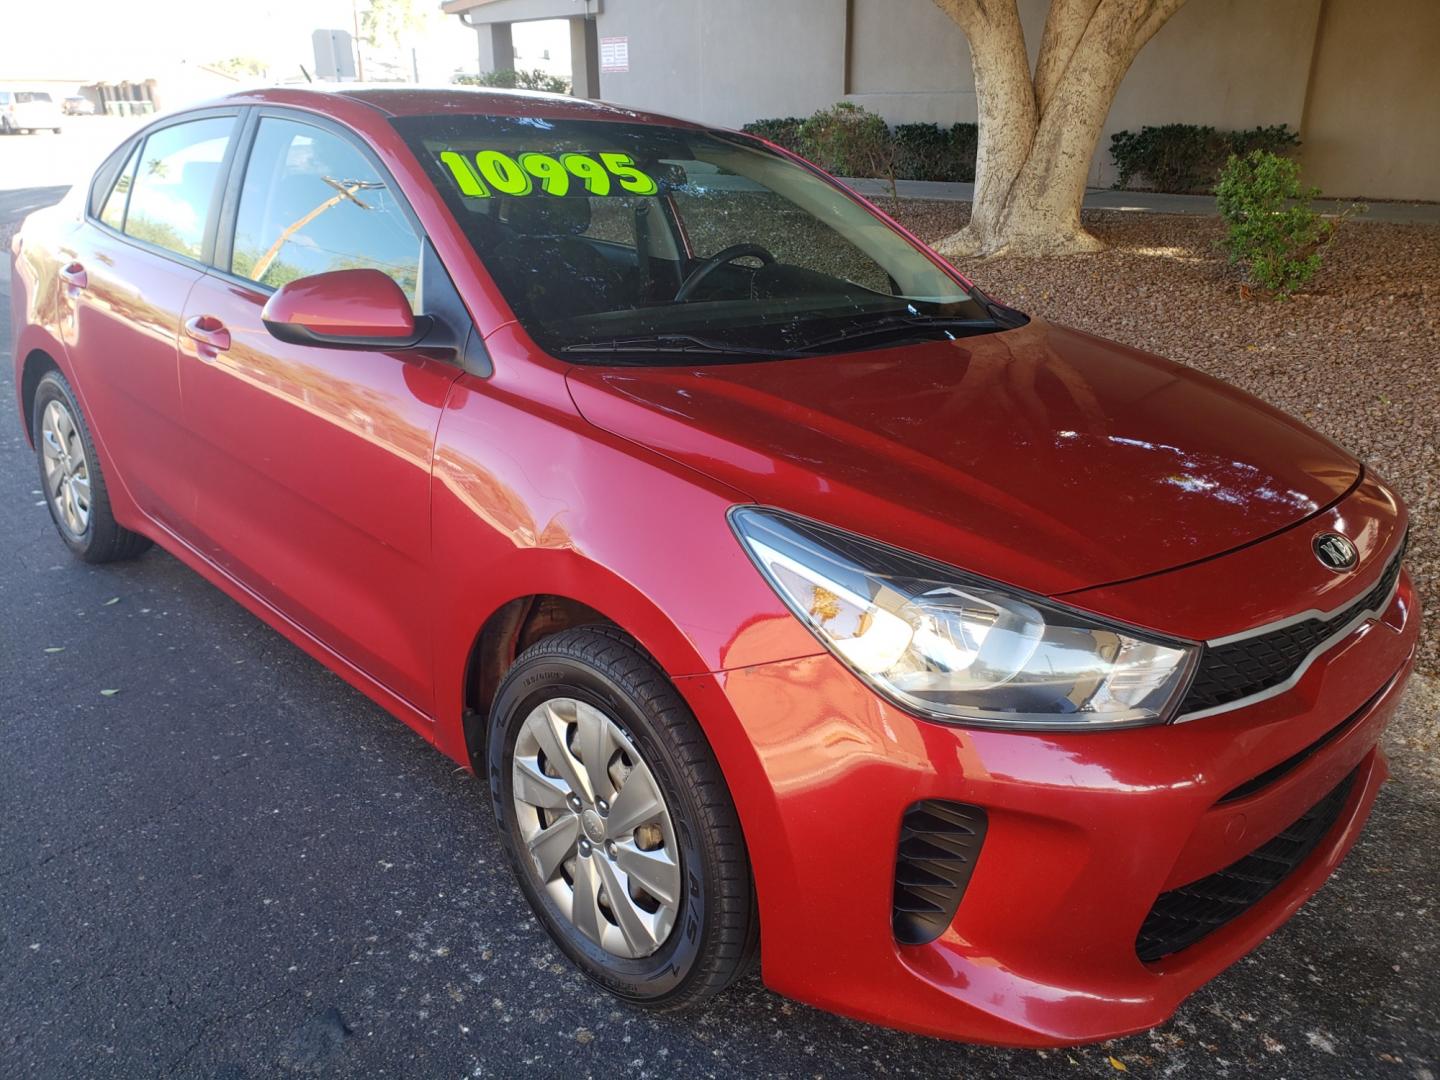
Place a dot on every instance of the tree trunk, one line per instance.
(1038, 134)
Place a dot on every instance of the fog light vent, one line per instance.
(939, 843)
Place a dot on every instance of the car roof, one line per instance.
(428, 101)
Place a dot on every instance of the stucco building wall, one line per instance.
(1359, 79)
(1372, 118)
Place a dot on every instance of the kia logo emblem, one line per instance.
(1335, 552)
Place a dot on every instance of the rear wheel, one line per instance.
(71, 478)
(618, 821)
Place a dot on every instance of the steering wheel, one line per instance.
(719, 259)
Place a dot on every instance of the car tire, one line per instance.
(563, 683)
(71, 477)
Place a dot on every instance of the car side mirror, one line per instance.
(344, 309)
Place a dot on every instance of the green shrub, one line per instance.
(784, 131)
(1172, 157)
(1272, 233)
(848, 140)
(1277, 139)
(965, 144)
(517, 80)
(1188, 157)
(930, 152)
(922, 152)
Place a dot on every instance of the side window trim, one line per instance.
(133, 172)
(230, 205)
(224, 246)
(238, 114)
(222, 184)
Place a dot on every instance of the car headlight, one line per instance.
(937, 641)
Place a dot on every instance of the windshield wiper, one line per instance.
(692, 345)
(672, 345)
(901, 325)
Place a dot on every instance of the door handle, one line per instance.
(209, 333)
(74, 276)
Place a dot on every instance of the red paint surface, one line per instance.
(378, 507)
(349, 303)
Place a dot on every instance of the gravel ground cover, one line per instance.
(1356, 355)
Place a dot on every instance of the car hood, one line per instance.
(1041, 456)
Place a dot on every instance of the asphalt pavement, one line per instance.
(216, 859)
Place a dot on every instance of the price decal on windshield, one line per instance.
(489, 172)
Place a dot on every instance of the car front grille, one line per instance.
(939, 843)
(1183, 916)
(1252, 665)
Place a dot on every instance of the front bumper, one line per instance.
(1085, 832)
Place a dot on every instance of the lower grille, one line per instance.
(939, 843)
(1183, 916)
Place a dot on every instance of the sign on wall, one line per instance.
(614, 54)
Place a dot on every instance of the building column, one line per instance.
(497, 51)
(584, 58)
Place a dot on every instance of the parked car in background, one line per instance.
(78, 105)
(993, 680)
(28, 111)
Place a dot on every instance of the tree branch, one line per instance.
(1064, 27)
(1158, 14)
(969, 15)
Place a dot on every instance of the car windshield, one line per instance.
(617, 242)
(32, 95)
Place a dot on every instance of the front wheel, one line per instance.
(618, 822)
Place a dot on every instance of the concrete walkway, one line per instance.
(1152, 202)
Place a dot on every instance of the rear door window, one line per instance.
(312, 202)
(112, 213)
(176, 183)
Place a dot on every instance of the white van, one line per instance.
(28, 110)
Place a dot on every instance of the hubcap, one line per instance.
(593, 826)
(67, 471)
(597, 828)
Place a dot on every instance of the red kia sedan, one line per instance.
(796, 599)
